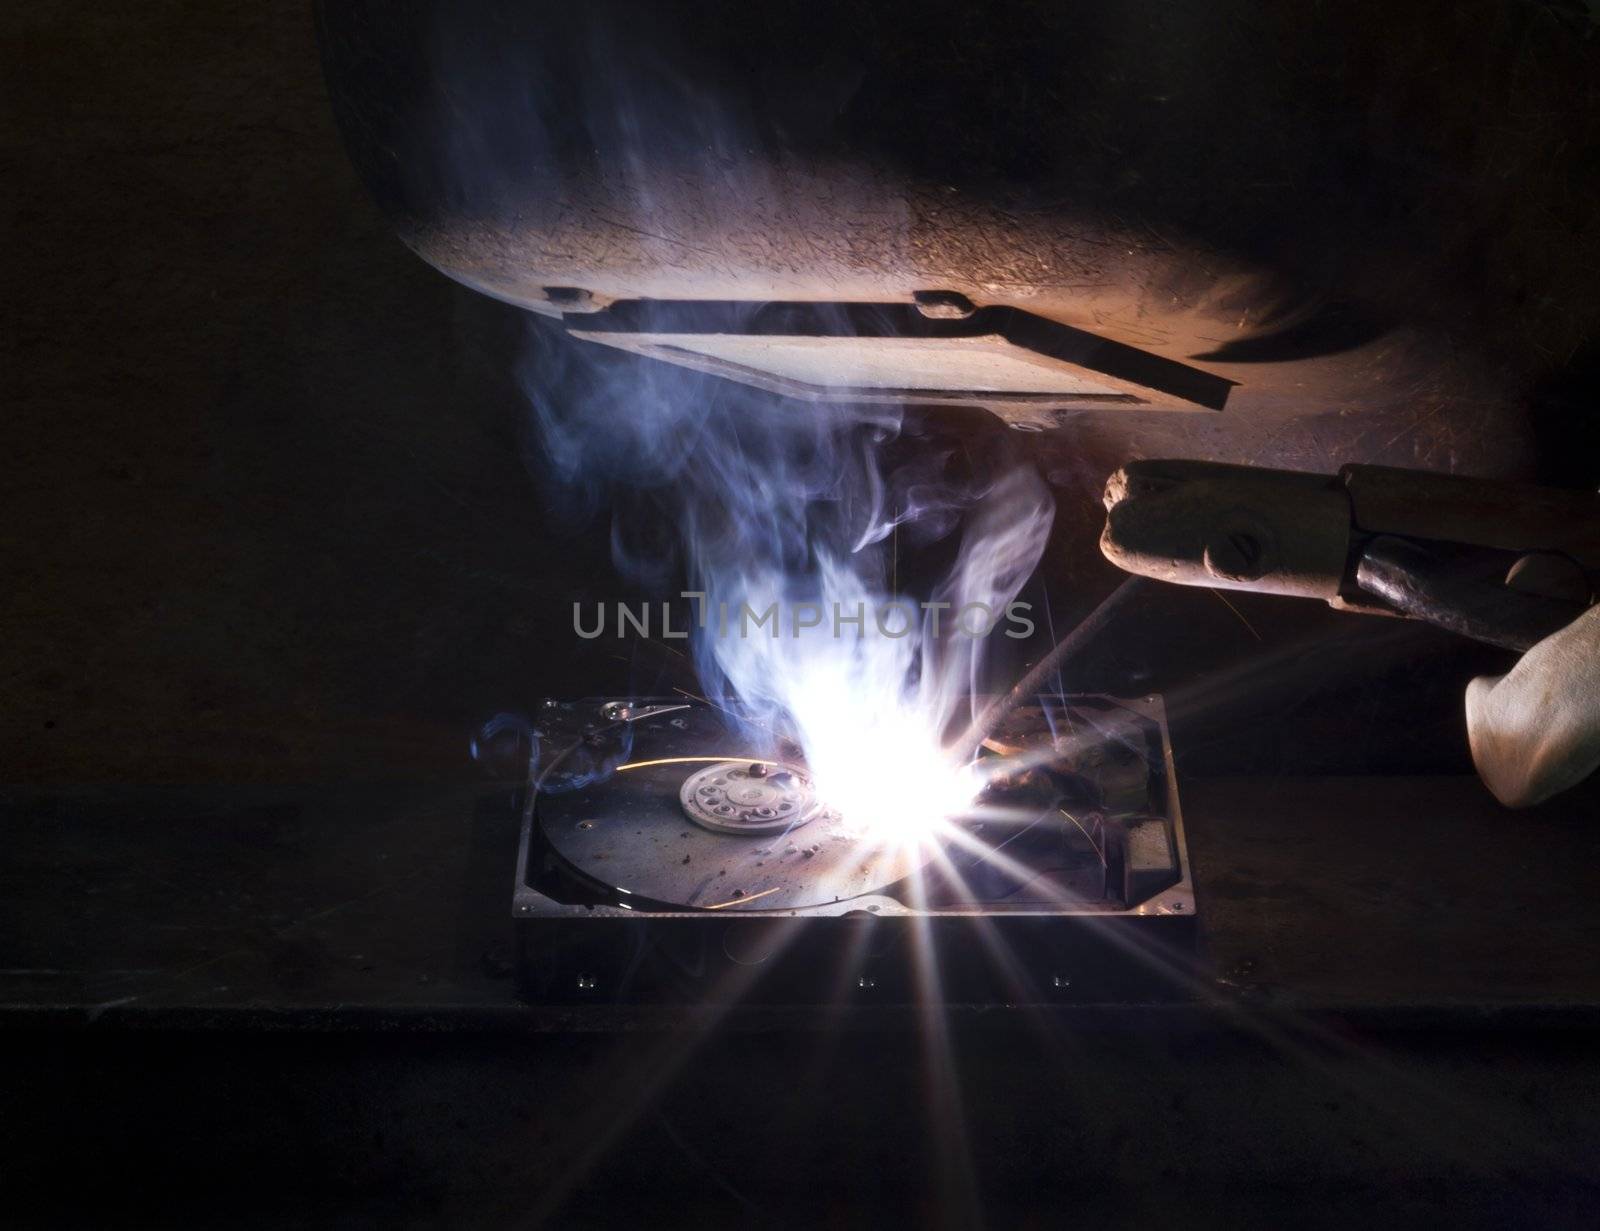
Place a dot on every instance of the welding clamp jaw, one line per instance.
(1503, 563)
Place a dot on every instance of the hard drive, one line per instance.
(666, 855)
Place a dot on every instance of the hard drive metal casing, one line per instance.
(580, 940)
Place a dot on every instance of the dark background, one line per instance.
(266, 519)
(265, 512)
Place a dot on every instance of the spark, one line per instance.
(1235, 611)
(743, 900)
(743, 760)
(1086, 834)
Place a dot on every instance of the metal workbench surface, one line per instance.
(1407, 900)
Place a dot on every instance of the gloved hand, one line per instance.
(1535, 731)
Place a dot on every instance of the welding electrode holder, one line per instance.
(1503, 563)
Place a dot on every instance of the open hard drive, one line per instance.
(663, 857)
